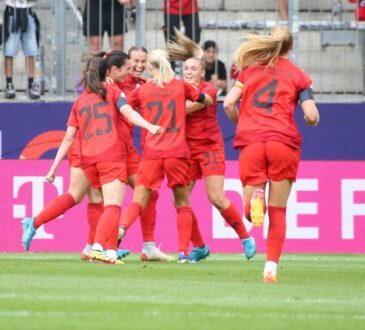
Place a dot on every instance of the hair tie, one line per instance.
(106, 54)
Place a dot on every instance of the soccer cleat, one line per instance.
(28, 232)
(84, 256)
(184, 259)
(100, 256)
(155, 255)
(257, 207)
(199, 253)
(121, 235)
(250, 247)
(269, 277)
(34, 92)
(10, 91)
(122, 253)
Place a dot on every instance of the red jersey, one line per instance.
(100, 127)
(186, 7)
(270, 96)
(202, 128)
(127, 86)
(164, 106)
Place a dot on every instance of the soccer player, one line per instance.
(162, 101)
(205, 142)
(269, 87)
(94, 114)
(135, 79)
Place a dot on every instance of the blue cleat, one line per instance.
(184, 259)
(250, 247)
(122, 253)
(198, 253)
(28, 232)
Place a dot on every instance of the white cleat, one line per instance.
(155, 255)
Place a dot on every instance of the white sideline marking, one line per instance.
(157, 313)
(152, 299)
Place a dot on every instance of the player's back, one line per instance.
(100, 127)
(270, 96)
(165, 106)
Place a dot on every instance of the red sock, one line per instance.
(233, 218)
(277, 231)
(184, 227)
(196, 237)
(54, 209)
(107, 224)
(94, 212)
(148, 218)
(130, 214)
(112, 241)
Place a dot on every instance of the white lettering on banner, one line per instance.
(295, 208)
(348, 208)
(37, 182)
(220, 230)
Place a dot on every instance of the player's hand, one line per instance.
(50, 177)
(155, 130)
(123, 2)
(109, 81)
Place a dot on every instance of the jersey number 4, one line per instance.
(92, 111)
(171, 107)
(268, 88)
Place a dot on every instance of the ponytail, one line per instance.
(264, 50)
(94, 73)
(158, 59)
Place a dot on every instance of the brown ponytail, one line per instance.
(94, 73)
(264, 50)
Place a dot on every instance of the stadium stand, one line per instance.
(326, 47)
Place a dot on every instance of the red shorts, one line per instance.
(207, 163)
(74, 160)
(105, 172)
(133, 159)
(259, 162)
(151, 172)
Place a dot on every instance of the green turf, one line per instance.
(58, 291)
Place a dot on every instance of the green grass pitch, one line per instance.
(58, 291)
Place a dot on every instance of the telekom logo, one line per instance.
(37, 199)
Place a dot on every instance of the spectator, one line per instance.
(100, 16)
(360, 16)
(21, 26)
(185, 10)
(215, 70)
(283, 9)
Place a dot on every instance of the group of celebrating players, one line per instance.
(181, 139)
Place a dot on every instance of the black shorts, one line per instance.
(100, 16)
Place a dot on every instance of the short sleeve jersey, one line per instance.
(187, 7)
(202, 128)
(127, 86)
(270, 96)
(164, 106)
(100, 127)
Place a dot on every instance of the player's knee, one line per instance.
(217, 199)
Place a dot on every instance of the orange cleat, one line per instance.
(269, 277)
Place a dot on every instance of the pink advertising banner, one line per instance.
(326, 211)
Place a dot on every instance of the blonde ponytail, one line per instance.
(264, 50)
(158, 59)
(183, 48)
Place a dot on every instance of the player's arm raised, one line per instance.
(64, 148)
